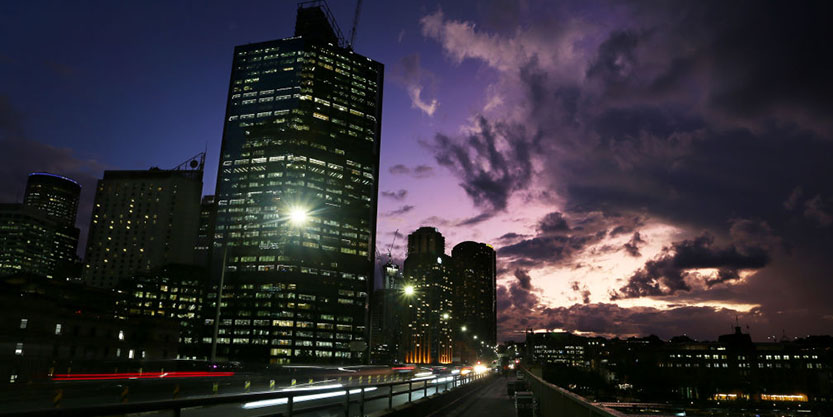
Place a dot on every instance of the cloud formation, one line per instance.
(408, 73)
(663, 114)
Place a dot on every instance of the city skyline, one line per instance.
(628, 185)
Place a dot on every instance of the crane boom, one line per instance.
(355, 23)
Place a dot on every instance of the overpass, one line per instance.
(374, 392)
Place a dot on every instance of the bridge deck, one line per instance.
(490, 400)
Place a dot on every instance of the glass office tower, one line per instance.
(296, 197)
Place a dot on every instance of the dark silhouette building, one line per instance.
(428, 292)
(296, 197)
(143, 220)
(387, 313)
(474, 297)
(39, 236)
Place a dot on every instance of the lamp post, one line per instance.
(298, 217)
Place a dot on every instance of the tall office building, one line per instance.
(39, 236)
(474, 296)
(428, 292)
(143, 220)
(54, 196)
(296, 196)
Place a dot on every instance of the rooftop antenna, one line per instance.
(355, 23)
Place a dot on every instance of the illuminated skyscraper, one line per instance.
(296, 197)
(428, 292)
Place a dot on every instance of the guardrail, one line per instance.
(554, 401)
(288, 398)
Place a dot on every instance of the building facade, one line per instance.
(474, 298)
(54, 196)
(296, 197)
(39, 236)
(142, 220)
(428, 292)
(387, 313)
(174, 292)
(205, 232)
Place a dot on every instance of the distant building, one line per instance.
(296, 197)
(54, 196)
(175, 292)
(428, 292)
(39, 236)
(143, 220)
(732, 370)
(205, 232)
(475, 306)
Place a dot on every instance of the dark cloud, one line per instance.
(670, 272)
(476, 219)
(398, 195)
(524, 280)
(816, 210)
(582, 290)
(512, 236)
(400, 211)
(553, 223)
(632, 246)
(492, 162)
(419, 171)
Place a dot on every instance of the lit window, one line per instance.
(58, 329)
(131, 354)
(121, 337)
(18, 349)
(24, 323)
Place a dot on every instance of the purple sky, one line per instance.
(640, 167)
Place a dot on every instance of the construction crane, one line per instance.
(390, 248)
(355, 23)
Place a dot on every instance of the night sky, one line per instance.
(640, 167)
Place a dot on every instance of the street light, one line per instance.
(298, 216)
(463, 329)
(475, 337)
(409, 290)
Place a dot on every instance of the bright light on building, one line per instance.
(480, 369)
(446, 316)
(298, 216)
(464, 328)
(409, 290)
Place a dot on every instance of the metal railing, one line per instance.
(554, 401)
(354, 397)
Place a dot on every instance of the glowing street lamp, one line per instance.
(409, 290)
(463, 329)
(475, 337)
(298, 216)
